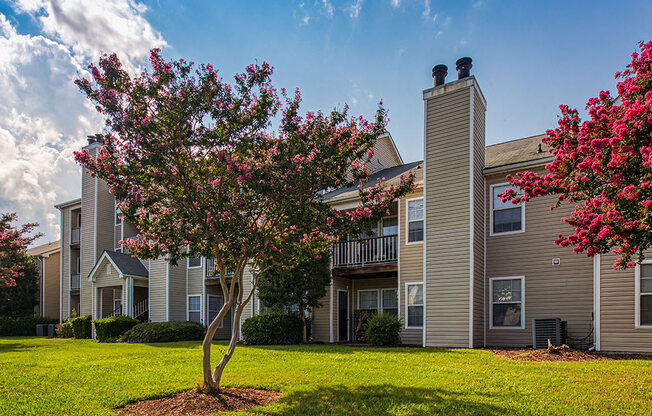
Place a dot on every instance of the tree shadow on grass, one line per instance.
(350, 349)
(15, 347)
(384, 400)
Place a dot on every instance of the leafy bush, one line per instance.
(81, 327)
(22, 326)
(64, 330)
(273, 328)
(110, 329)
(164, 332)
(384, 329)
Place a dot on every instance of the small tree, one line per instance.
(196, 167)
(304, 285)
(604, 166)
(13, 242)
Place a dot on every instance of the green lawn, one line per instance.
(41, 376)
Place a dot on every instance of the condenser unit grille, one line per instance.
(544, 329)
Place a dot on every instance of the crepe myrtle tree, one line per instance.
(197, 167)
(604, 166)
(13, 243)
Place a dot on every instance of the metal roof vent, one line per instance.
(544, 329)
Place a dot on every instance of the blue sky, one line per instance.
(528, 57)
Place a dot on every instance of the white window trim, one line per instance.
(491, 212)
(491, 302)
(637, 299)
(188, 307)
(407, 221)
(377, 297)
(380, 300)
(201, 262)
(208, 311)
(407, 304)
(118, 249)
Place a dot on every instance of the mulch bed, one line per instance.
(196, 404)
(565, 355)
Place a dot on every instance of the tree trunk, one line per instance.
(209, 385)
(235, 331)
(303, 319)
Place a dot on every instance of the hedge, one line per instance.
(273, 328)
(64, 330)
(164, 332)
(22, 326)
(384, 330)
(81, 327)
(110, 329)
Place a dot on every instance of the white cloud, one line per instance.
(328, 7)
(354, 9)
(43, 115)
(395, 3)
(426, 10)
(94, 27)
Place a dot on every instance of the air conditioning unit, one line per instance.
(544, 329)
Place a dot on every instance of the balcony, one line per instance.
(75, 281)
(75, 236)
(212, 272)
(374, 255)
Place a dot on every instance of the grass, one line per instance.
(40, 376)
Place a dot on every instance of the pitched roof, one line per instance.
(46, 248)
(391, 175)
(127, 264)
(516, 151)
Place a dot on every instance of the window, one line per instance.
(118, 218)
(414, 304)
(506, 302)
(415, 220)
(390, 226)
(194, 262)
(390, 301)
(368, 299)
(194, 308)
(505, 216)
(644, 295)
(117, 303)
(215, 303)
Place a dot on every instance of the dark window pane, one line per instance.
(391, 311)
(415, 316)
(194, 262)
(507, 220)
(646, 310)
(415, 231)
(390, 299)
(507, 314)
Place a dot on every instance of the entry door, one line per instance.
(342, 316)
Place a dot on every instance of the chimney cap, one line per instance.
(463, 66)
(439, 73)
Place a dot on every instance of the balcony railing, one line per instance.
(75, 236)
(364, 251)
(212, 270)
(75, 281)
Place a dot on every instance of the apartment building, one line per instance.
(48, 258)
(455, 264)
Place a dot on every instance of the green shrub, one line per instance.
(64, 330)
(81, 327)
(273, 328)
(22, 326)
(384, 330)
(164, 332)
(110, 329)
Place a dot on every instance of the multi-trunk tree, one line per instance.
(196, 165)
(13, 243)
(604, 166)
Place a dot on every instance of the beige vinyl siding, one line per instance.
(478, 219)
(247, 284)
(87, 247)
(51, 283)
(321, 320)
(110, 287)
(410, 268)
(447, 219)
(195, 279)
(564, 291)
(107, 296)
(176, 292)
(65, 257)
(158, 290)
(129, 230)
(117, 236)
(617, 310)
(385, 155)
